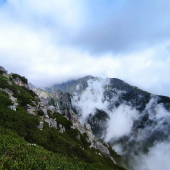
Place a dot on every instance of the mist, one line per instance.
(91, 99)
(147, 148)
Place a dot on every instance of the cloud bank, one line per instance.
(54, 41)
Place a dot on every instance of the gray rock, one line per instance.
(87, 127)
(9, 83)
(44, 109)
(29, 106)
(14, 107)
(102, 148)
(34, 102)
(37, 97)
(10, 93)
(13, 99)
(112, 159)
(19, 82)
(62, 129)
(76, 124)
(31, 109)
(51, 122)
(41, 93)
(52, 109)
(44, 102)
(78, 137)
(40, 126)
(31, 144)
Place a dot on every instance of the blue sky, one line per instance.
(55, 41)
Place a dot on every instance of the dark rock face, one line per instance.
(98, 122)
(117, 93)
(130, 95)
(165, 101)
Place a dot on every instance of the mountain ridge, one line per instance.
(54, 131)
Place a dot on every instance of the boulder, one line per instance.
(31, 109)
(102, 148)
(44, 109)
(51, 108)
(87, 127)
(62, 129)
(14, 107)
(10, 83)
(40, 126)
(51, 122)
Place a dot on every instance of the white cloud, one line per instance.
(157, 159)
(91, 99)
(32, 43)
(121, 122)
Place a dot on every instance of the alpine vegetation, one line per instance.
(39, 130)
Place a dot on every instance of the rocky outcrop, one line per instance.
(41, 93)
(62, 128)
(51, 122)
(12, 98)
(91, 138)
(14, 107)
(10, 83)
(76, 123)
(102, 148)
(10, 93)
(40, 126)
(32, 109)
(19, 82)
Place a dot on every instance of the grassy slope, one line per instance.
(54, 150)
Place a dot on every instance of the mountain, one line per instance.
(39, 130)
(134, 122)
(71, 86)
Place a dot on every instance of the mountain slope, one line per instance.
(35, 135)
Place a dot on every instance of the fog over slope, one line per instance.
(140, 135)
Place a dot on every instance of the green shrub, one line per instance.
(23, 79)
(2, 72)
(40, 113)
(62, 120)
(4, 98)
(52, 102)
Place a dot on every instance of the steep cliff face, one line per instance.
(56, 127)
